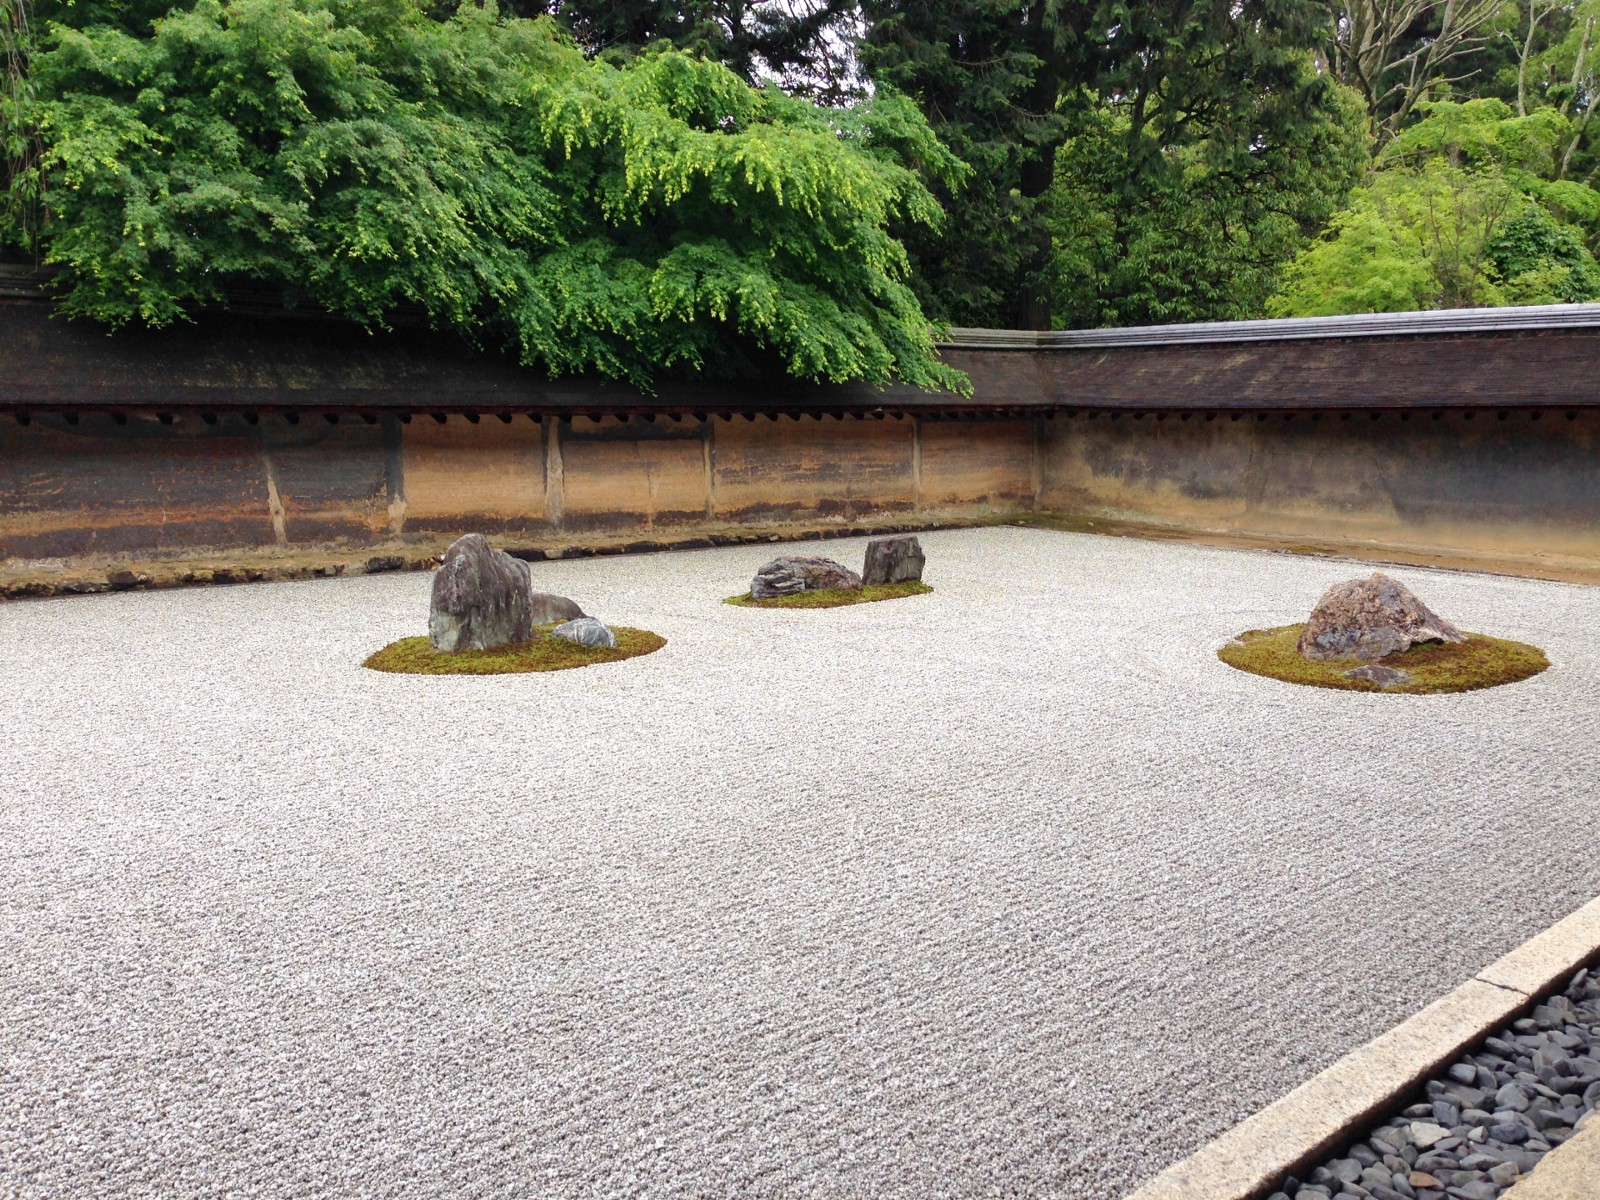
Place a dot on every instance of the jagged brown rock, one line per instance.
(481, 598)
(893, 560)
(1371, 619)
(801, 573)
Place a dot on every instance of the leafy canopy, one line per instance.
(1104, 134)
(358, 156)
(1204, 231)
(1464, 210)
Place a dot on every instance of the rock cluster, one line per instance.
(893, 560)
(1487, 1121)
(484, 598)
(801, 573)
(1371, 618)
(480, 598)
(889, 560)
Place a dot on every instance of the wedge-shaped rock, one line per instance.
(1371, 618)
(893, 560)
(545, 607)
(801, 573)
(480, 598)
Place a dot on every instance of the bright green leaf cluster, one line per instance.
(360, 157)
(1462, 211)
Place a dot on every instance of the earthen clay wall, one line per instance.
(148, 489)
(1474, 484)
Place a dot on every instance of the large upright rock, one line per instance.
(893, 560)
(480, 598)
(1371, 618)
(801, 573)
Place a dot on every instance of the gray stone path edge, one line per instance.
(1330, 1108)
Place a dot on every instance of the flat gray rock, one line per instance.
(893, 560)
(480, 598)
(801, 573)
(586, 631)
(1371, 618)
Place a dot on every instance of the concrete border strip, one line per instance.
(1333, 1107)
(1569, 1172)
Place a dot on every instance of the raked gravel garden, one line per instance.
(1012, 888)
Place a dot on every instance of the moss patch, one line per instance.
(836, 597)
(416, 656)
(1435, 667)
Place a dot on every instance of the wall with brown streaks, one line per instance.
(1524, 484)
(145, 488)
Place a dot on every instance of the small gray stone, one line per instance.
(1425, 1133)
(1513, 1097)
(1511, 1135)
(585, 631)
(1345, 1170)
(1464, 1073)
(1373, 1175)
(1505, 1174)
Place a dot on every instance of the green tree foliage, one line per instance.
(20, 147)
(1461, 212)
(1205, 230)
(1164, 102)
(359, 157)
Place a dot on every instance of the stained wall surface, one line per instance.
(145, 487)
(1522, 484)
(1517, 481)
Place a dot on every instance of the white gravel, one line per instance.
(1012, 889)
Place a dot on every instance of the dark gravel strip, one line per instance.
(1487, 1120)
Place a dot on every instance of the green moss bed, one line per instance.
(1435, 667)
(415, 656)
(836, 597)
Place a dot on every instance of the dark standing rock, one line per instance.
(801, 573)
(585, 631)
(480, 598)
(544, 607)
(1371, 618)
(893, 560)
